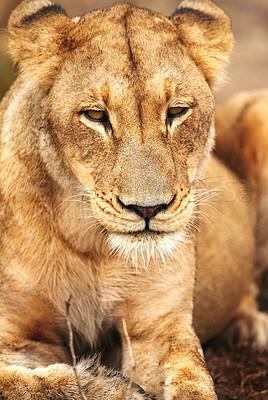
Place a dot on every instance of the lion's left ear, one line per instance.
(205, 30)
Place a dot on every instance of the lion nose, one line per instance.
(145, 212)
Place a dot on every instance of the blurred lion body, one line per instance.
(242, 142)
(101, 188)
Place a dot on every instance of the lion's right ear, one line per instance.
(37, 31)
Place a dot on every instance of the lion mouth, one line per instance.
(145, 232)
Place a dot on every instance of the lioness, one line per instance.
(242, 141)
(104, 137)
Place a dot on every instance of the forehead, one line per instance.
(122, 26)
(126, 47)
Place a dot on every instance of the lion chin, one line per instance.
(141, 248)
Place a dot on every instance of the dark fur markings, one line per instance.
(207, 18)
(51, 9)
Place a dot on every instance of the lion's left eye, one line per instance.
(177, 111)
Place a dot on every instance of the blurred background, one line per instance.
(249, 67)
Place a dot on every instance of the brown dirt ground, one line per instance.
(240, 372)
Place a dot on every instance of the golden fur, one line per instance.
(106, 209)
(242, 141)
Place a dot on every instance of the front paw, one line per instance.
(190, 392)
(58, 381)
(189, 385)
(114, 385)
(249, 328)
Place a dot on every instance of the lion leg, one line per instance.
(176, 370)
(161, 351)
(35, 362)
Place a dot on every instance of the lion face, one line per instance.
(130, 112)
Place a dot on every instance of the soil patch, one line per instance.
(239, 373)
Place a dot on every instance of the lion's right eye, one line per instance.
(96, 115)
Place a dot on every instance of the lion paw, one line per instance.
(249, 327)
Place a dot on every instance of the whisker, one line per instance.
(70, 199)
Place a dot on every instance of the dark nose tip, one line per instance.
(145, 212)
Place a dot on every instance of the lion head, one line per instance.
(126, 110)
